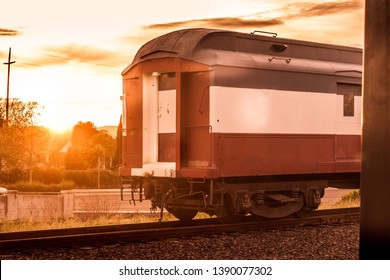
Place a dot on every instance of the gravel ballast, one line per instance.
(326, 242)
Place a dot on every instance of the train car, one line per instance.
(232, 124)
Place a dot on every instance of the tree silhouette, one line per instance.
(89, 146)
(117, 161)
(22, 141)
(21, 114)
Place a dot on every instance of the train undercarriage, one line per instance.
(230, 199)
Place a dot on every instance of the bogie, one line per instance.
(230, 202)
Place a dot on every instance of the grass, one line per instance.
(113, 219)
(351, 199)
(28, 225)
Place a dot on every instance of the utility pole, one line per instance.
(9, 69)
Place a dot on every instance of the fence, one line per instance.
(16, 205)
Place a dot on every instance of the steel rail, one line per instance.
(98, 235)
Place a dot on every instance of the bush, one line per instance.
(48, 176)
(53, 180)
(13, 175)
(89, 178)
(25, 186)
(353, 196)
(81, 178)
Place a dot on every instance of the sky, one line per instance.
(69, 55)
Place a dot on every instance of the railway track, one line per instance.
(77, 237)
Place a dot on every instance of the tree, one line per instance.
(89, 146)
(117, 161)
(21, 114)
(37, 147)
(19, 140)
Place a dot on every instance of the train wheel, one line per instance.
(183, 214)
(226, 213)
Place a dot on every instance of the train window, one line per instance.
(348, 91)
(349, 102)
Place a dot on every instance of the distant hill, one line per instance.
(111, 129)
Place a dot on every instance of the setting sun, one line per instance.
(56, 119)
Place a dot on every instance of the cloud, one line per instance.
(223, 22)
(80, 53)
(8, 32)
(298, 10)
(289, 11)
(328, 8)
(59, 55)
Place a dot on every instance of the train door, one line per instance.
(167, 118)
(149, 118)
(348, 122)
(132, 102)
(159, 118)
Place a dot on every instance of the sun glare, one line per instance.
(57, 119)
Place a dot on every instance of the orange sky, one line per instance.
(69, 54)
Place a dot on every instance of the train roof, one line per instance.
(222, 47)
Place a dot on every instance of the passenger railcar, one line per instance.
(230, 123)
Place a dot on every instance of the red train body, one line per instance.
(230, 123)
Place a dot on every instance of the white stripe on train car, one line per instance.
(246, 110)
